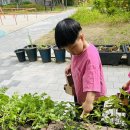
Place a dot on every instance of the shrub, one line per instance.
(26, 2)
(70, 2)
(111, 6)
(116, 15)
(100, 5)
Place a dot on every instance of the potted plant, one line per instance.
(110, 54)
(45, 52)
(20, 53)
(59, 54)
(31, 50)
(127, 49)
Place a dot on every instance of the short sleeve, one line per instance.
(91, 79)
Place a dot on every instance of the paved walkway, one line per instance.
(18, 38)
(11, 23)
(44, 77)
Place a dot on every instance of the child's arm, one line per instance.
(126, 85)
(68, 70)
(88, 104)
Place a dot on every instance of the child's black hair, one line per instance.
(66, 32)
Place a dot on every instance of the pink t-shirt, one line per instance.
(128, 91)
(87, 73)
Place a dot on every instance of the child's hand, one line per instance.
(87, 107)
(84, 115)
(88, 103)
(126, 85)
(68, 70)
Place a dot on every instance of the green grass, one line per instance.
(118, 18)
(86, 17)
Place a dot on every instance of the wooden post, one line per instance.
(14, 16)
(1, 20)
(1, 11)
(36, 12)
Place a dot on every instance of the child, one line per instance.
(85, 67)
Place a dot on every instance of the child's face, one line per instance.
(76, 48)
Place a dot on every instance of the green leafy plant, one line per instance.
(36, 111)
(43, 46)
(30, 40)
(110, 116)
(112, 7)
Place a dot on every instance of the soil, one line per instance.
(60, 126)
(98, 34)
(93, 127)
(112, 48)
(106, 34)
(52, 126)
(56, 126)
(47, 39)
(23, 128)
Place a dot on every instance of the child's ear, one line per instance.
(82, 36)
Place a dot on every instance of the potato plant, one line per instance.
(36, 111)
(39, 111)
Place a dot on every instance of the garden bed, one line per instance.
(39, 112)
(110, 54)
(60, 126)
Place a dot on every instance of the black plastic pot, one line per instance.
(31, 52)
(20, 53)
(30, 46)
(59, 54)
(45, 54)
(111, 58)
(127, 53)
